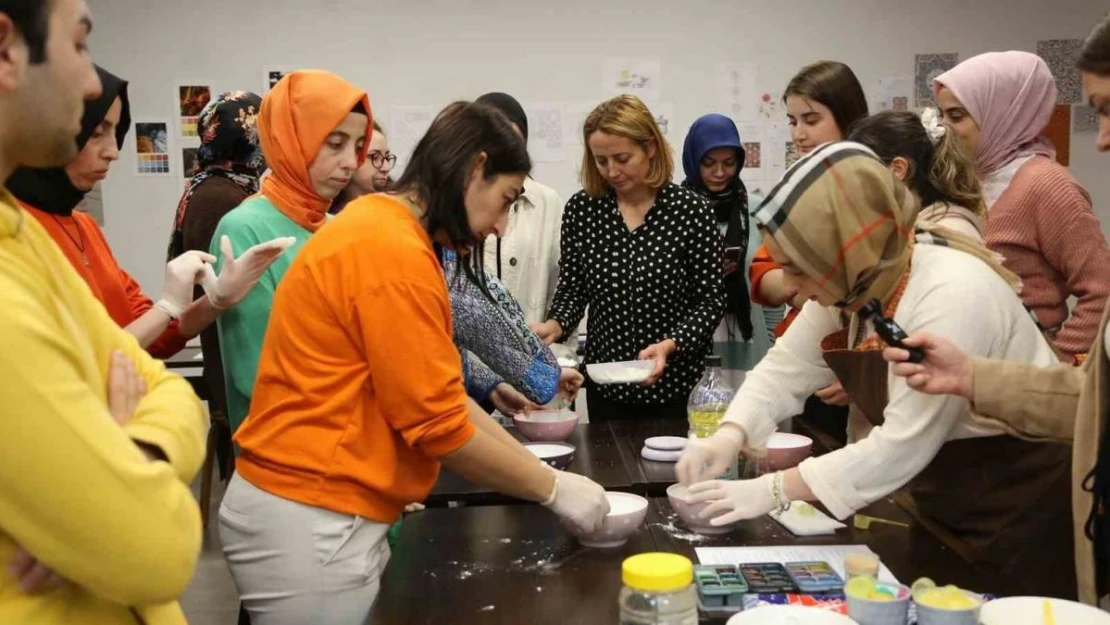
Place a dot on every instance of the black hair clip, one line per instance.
(890, 331)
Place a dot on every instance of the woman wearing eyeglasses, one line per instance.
(373, 176)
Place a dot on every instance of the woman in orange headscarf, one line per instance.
(314, 128)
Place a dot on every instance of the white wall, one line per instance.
(435, 51)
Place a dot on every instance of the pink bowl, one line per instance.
(785, 450)
(547, 426)
(688, 512)
(626, 514)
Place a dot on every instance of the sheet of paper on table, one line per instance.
(833, 554)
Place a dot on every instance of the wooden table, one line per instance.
(500, 564)
(598, 455)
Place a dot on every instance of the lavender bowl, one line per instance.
(678, 495)
(626, 514)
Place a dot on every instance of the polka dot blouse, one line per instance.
(661, 280)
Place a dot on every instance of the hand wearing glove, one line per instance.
(239, 275)
(707, 458)
(734, 500)
(182, 274)
(579, 501)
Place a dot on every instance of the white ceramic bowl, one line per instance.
(789, 615)
(688, 512)
(627, 372)
(626, 514)
(1030, 611)
(556, 455)
(549, 426)
(786, 450)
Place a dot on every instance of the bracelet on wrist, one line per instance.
(778, 493)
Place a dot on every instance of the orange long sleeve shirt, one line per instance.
(761, 264)
(359, 386)
(83, 243)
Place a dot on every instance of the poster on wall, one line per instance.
(93, 204)
(893, 93)
(152, 148)
(770, 108)
(752, 137)
(1058, 131)
(926, 68)
(546, 128)
(191, 100)
(1084, 119)
(575, 114)
(776, 137)
(736, 91)
(664, 117)
(639, 77)
(1060, 55)
(274, 74)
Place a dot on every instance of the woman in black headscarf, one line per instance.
(51, 195)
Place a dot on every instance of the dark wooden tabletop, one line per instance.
(598, 455)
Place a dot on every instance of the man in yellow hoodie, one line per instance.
(97, 441)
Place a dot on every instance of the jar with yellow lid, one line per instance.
(658, 590)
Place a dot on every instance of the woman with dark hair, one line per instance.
(822, 101)
(359, 395)
(1056, 403)
(931, 160)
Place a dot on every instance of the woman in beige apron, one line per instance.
(842, 227)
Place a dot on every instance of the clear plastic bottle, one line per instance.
(658, 590)
(708, 402)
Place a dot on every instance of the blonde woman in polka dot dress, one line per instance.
(645, 256)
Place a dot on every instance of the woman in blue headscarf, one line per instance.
(712, 158)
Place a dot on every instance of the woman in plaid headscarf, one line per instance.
(843, 229)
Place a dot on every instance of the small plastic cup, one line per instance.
(895, 611)
(928, 615)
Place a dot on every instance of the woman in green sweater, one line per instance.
(307, 112)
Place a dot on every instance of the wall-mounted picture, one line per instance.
(191, 100)
(188, 162)
(152, 148)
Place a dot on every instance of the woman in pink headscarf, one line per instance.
(1039, 217)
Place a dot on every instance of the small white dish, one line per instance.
(789, 615)
(627, 372)
(1030, 610)
(666, 443)
(658, 455)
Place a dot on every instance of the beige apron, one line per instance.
(1005, 501)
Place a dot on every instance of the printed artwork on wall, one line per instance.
(152, 148)
(191, 100)
(926, 68)
(1060, 55)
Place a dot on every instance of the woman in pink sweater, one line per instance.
(1039, 217)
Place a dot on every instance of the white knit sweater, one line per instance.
(950, 294)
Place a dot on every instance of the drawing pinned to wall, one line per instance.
(639, 77)
(752, 137)
(152, 148)
(574, 118)
(791, 155)
(93, 204)
(664, 117)
(408, 123)
(926, 68)
(191, 100)
(775, 137)
(188, 162)
(770, 109)
(736, 91)
(1084, 119)
(275, 74)
(546, 127)
(893, 93)
(1060, 55)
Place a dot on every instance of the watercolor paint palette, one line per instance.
(814, 578)
(768, 577)
(720, 585)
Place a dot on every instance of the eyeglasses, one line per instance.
(384, 162)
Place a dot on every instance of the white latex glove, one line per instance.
(734, 500)
(579, 500)
(239, 275)
(707, 458)
(182, 274)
